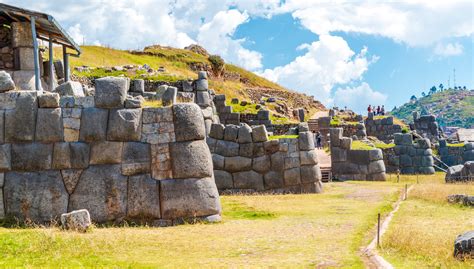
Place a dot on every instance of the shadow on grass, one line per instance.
(237, 210)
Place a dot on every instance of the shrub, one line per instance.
(218, 65)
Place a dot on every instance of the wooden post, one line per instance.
(66, 64)
(378, 230)
(35, 54)
(406, 191)
(51, 66)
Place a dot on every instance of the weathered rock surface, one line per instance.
(191, 159)
(106, 152)
(188, 122)
(124, 125)
(39, 196)
(21, 120)
(248, 180)
(48, 100)
(78, 220)
(49, 125)
(143, 198)
(6, 82)
(464, 245)
(110, 92)
(31, 157)
(102, 190)
(70, 88)
(94, 124)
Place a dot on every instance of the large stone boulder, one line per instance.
(93, 124)
(6, 82)
(464, 245)
(191, 159)
(136, 158)
(31, 157)
(106, 152)
(188, 198)
(237, 164)
(223, 180)
(248, 180)
(48, 100)
(454, 173)
(21, 120)
(245, 134)
(124, 125)
(143, 198)
(70, 88)
(228, 148)
(306, 141)
(259, 133)
(78, 220)
(169, 96)
(37, 196)
(70, 155)
(217, 131)
(110, 92)
(188, 122)
(49, 125)
(102, 190)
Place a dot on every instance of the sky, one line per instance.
(344, 53)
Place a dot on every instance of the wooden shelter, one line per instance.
(27, 27)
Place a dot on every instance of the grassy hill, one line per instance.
(451, 107)
(180, 64)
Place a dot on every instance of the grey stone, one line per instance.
(273, 180)
(136, 158)
(405, 160)
(237, 164)
(244, 134)
(24, 80)
(218, 161)
(187, 85)
(359, 156)
(248, 180)
(191, 159)
(310, 173)
(134, 102)
(106, 152)
(6, 82)
(202, 85)
(217, 131)
(211, 143)
(202, 75)
(338, 154)
(21, 121)
(223, 180)
(306, 141)
(376, 167)
(427, 170)
(137, 85)
(188, 122)
(259, 133)
(292, 162)
(31, 157)
(375, 155)
(427, 161)
(102, 190)
(48, 100)
(424, 143)
(463, 245)
(189, 198)
(70, 155)
(94, 124)
(292, 176)
(143, 198)
(124, 125)
(278, 161)
(70, 178)
(335, 135)
(377, 177)
(345, 143)
(37, 196)
(227, 148)
(169, 96)
(261, 164)
(70, 88)
(454, 173)
(308, 157)
(78, 220)
(258, 149)
(271, 146)
(5, 158)
(203, 98)
(231, 132)
(110, 92)
(49, 125)
(246, 150)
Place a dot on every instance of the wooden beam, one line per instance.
(51, 67)
(36, 55)
(66, 64)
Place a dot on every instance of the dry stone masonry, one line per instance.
(245, 160)
(454, 155)
(382, 128)
(351, 164)
(412, 157)
(91, 152)
(426, 126)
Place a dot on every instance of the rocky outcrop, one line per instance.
(462, 172)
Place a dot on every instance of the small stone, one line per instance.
(259, 133)
(6, 82)
(169, 96)
(78, 220)
(48, 100)
(70, 88)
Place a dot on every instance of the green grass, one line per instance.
(276, 137)
(456, 144)
(382, 145)
(359, 145)
(152, 103)
(247, 109)
(422, 232)
(257, 231)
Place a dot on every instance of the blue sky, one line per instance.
(344, 53)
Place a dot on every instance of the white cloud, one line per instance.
(450, 49)
(358, 98)
(327, 62)
(416, 22)
(216, 37)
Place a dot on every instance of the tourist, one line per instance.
(382, 110)
(318, 140)
(378, 110)
(369, 109)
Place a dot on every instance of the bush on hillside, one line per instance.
(218, 65)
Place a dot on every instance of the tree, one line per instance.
(441, 87)
(423, 94)
(464, 88)
(432, 90)
(413, 98)
(218, 65)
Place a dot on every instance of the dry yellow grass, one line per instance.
(422, 232)
(257, 231)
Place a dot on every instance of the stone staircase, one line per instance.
(313, 125)
(326, 174)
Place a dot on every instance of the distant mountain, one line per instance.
(454, 108)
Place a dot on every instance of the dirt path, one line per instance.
(369, 254)
(320, 114)
(324, 159)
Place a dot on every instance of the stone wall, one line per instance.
(391, 160)
(350, 164)
(452, 155)
(226, 116)
(426, 126)
(413, 157)
(384, 128)
(143, 164)
(6, 49)
(353, 130)
(245, 160)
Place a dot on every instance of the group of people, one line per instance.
(379, 110)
